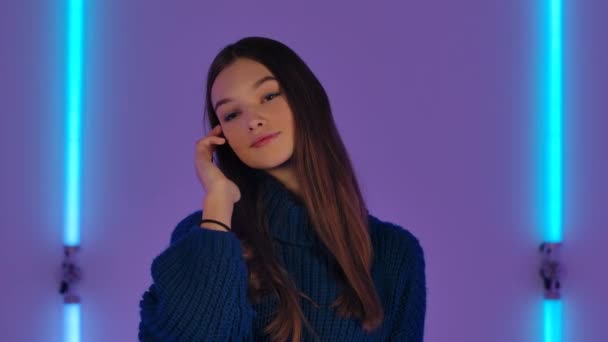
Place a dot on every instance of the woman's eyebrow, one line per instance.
(255, 85)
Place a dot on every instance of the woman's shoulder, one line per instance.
(394, 239)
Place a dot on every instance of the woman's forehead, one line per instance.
(240, 77)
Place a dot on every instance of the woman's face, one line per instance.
(249, 103)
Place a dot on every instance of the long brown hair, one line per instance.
(329, 191)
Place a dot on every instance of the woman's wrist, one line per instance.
(217, 207)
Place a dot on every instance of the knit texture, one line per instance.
(199, 289)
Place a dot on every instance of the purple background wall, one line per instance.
(434, 100)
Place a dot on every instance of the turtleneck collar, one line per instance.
(288, 218)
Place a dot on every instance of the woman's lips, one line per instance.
(265, 140)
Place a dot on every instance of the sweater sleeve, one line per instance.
(199, 289)
(411, 310)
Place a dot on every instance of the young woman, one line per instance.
(284, 247)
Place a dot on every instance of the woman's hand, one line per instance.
(211, 177)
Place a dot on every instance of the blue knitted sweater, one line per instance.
(199, 289)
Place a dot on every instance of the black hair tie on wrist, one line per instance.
(214, 221)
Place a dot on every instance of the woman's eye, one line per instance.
(273, 94)
(229, 116)
(267, 97)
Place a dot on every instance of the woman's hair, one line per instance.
(329, 191)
